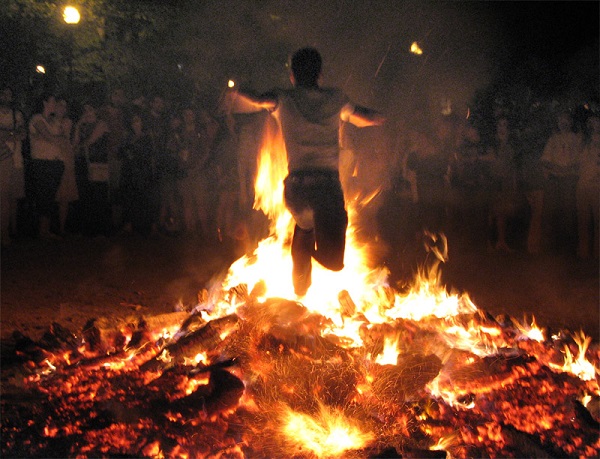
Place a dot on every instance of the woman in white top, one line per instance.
(47, 161)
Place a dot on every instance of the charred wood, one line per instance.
(188, 346)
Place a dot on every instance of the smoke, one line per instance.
(366, 51)
(365, 46)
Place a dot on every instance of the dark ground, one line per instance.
(72, 280)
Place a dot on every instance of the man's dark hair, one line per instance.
(306, 66)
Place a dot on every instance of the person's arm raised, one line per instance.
(363, 117)
(240, 102)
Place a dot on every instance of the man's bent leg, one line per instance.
(330, 236)
(330, 222)
(303, 247)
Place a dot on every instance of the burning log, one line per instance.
(188, 346)
(58, 337)
(589, 413)
(348, 308)
(222, 393)
(105, 335)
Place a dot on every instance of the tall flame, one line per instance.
(366, 285)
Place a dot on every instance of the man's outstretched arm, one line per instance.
(241, 102)
(363, 117)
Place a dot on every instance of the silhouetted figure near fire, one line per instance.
(504, 183)
(310, 118)
(430, 160)
(588, 191)
(560, 161)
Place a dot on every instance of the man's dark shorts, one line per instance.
(316, 201)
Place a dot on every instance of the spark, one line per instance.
(383, 60)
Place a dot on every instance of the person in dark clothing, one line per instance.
(47, 161)
(139, 185)
(310, 118)
(91, 162)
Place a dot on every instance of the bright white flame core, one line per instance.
(367, 286)
(329, 434)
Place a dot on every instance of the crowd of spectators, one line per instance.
(513, 187)
(149, 166)
(145, 166)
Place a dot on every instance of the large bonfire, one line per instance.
(354, 369)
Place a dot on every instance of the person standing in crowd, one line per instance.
(156, 125)
(560, 162)
(504, 186)
(588, 191)
(194, 179)
(171, 172)
(310, 118)
(90, 140)
(532, 142)
(67, 191)
(430, 160)
(114, 112)
(469, 203)
(225, 154)
(12, 176)
(47, 161)
(138, 179)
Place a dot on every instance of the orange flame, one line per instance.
(328, 434)
(367, 286)
(579, 366)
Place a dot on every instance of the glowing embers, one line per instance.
(245, 384)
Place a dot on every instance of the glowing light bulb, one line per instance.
(71, 15)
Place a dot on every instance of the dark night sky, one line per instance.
(551, 30)
(365, 43)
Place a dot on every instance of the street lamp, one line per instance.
(71, 17)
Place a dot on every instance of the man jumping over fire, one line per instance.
(310, 118)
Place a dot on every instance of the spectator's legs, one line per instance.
(535, 198)
(6, 168)
(588, 201)
(46, 176)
